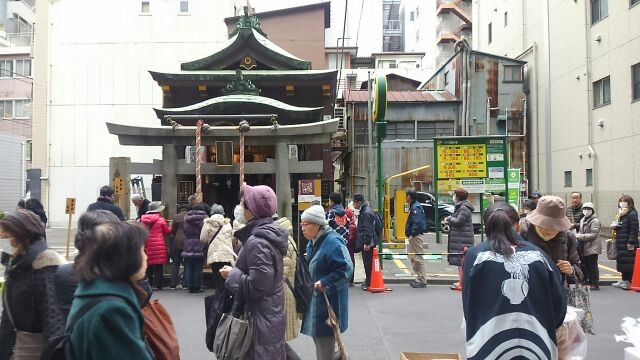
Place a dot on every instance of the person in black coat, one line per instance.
(626, 237)
(105, 202)
(35, 206)
(141, 204)
(461, 235)
(28, 298)
(365, 236)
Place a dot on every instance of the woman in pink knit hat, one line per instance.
(260, 268)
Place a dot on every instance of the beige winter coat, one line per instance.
(293, 325)
(221, 249)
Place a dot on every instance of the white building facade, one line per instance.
(584, 90)
(92, 68)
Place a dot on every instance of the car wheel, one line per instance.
(445, 228)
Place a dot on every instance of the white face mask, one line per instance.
(587, 212)
(5, 245)
(238, 214)
(623, 205)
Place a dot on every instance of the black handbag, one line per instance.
(302, 287)
(214, 306)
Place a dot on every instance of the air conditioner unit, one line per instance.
(340, 114)
(293, 152)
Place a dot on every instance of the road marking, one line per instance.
(608, 268)
(401, 265)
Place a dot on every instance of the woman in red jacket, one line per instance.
(155, 246)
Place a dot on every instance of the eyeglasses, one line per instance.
(305, 223)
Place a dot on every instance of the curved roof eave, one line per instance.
(208, 104)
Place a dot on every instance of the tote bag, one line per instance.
(159, 332)
(235, 329)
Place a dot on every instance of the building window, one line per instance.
(446, 78)
(22, 108)
(411, 18)
(506, 19)
(401, 130)
(392, 65)
(145, 7)
(15, 108)
(23, 67)
(184, 6)
(635, 76)
(428, 129)
(490, 34)
(6, 109)
(599, 10)
(360, 136)
(589, 174)
(602, 92)
(28, 150)
(513, 73)
(567, 179)
(6, 68)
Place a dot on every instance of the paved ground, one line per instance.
(396, 268)
(419, 320)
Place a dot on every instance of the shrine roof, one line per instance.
(224, 76)
(239, 104)
(250, 42)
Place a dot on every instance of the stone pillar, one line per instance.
(120, 167)
(283, 180)
(169, 178)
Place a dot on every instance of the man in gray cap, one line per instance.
(365, 235)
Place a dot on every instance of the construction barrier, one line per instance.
(635, 280)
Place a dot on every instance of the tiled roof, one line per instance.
(402, 96)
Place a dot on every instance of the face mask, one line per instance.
(5, 245)
(238, 214)
(587, 212)
(623, 205)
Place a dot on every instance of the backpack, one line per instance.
(302, 287)
(341, 220)
(377, 224)
(59, 348)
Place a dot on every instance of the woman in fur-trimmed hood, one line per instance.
(28, 299)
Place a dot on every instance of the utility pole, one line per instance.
(370, 142)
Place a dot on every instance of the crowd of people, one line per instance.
(517, 277)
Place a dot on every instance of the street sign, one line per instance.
(475, 186)
(379, 100)
(513, 186)
(71, 206)
(118, 185)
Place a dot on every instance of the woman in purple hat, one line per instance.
(260, 266)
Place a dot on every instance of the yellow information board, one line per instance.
(462, 161)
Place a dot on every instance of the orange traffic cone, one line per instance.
(635, 280)
(377, 283)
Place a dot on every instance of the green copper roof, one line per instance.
(248, 40)
(238, 104)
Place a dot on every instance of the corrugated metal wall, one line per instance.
(12, 165)
(396, 158)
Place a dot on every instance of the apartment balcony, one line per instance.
(392, 27)
(458, 7)
(16, 39)
(21, 9)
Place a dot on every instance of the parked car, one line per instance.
(427, 201)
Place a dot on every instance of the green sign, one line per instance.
(513, 186)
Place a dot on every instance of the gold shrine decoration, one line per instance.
(248, 63)
(224, 153)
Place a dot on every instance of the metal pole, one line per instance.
(370, 131)
(68, 236)
(199, 125)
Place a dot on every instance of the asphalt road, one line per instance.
(416, 320)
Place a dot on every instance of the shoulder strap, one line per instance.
(86, 307)
(214, 235)
(5, 302)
